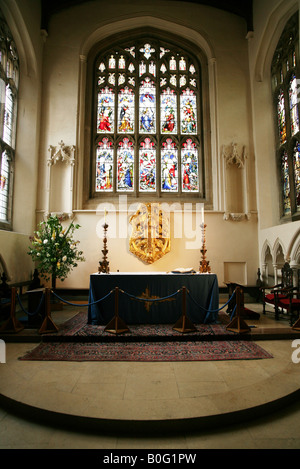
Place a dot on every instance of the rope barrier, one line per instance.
(165, 298)
(212, 310)
(233, 312)
(27, 312)
(85, 305)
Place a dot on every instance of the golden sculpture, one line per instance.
(150, 237)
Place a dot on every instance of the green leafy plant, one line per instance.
(54, 249)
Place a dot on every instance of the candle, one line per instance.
(105, 215)
(202, 215)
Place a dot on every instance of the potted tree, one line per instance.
(54, 249)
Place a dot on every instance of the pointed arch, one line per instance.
(200, 43)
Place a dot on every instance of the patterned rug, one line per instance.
(147, 351)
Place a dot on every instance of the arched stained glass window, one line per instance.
(147, 131)
(285, 82)
(9, 78)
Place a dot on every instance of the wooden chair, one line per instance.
(273, 294)
(288, 299)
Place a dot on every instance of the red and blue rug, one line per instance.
(143, 351)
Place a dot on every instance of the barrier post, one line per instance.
(238, 324)
(184, 324)
(116, 325)
(12, 325)
(48, 324)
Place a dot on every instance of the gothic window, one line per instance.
(147, 129)
(9, 76)
(286, 92)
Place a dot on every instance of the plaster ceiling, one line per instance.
(242, 8)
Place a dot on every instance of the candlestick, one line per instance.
(204, 263)
(104, 265)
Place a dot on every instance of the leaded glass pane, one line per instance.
(297, 172)
(112, 62)
(147, 50)
(106, 111)
(126, 111)
(104, 166)
(125, 166)
(168, 112)
(169, 167)
(147, 166)
(294, 116)
(8, 116)
(281, 117)
(189, 167)
(188, 112)
(147, 107)
(122, 62)
(182, 64)
(285, 184)
(4, 186)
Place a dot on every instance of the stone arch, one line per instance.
(293, 253)
(267, 263)
(200, 41)
(274, 27)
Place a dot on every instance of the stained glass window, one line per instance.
(281, 117)
(147, 107)
(168, 112)
(9, 79)
(147, 166)
(286, 97)
(104, 166)
(189, 167)
(126, 111)
(285, 184)
(294, 115)
(296, 164)
(125, 166)
(148, 96)
(169, 167)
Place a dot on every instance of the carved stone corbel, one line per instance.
(66, 154)
(232, 156)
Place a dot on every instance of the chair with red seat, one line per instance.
(290, 304)
(277, 292)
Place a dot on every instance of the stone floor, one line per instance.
(130, 405)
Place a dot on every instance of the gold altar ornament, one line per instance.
(150, 237)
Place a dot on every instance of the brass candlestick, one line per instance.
(204, 264)
(104, 265)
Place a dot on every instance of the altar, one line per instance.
(163, 292)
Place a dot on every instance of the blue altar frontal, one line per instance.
(154, 298)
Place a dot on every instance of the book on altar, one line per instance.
(183, 270)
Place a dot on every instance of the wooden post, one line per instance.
(116, 325)
(12, 325)
(184, 324)
(48, 324)
(296, 325)
(238, 324)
